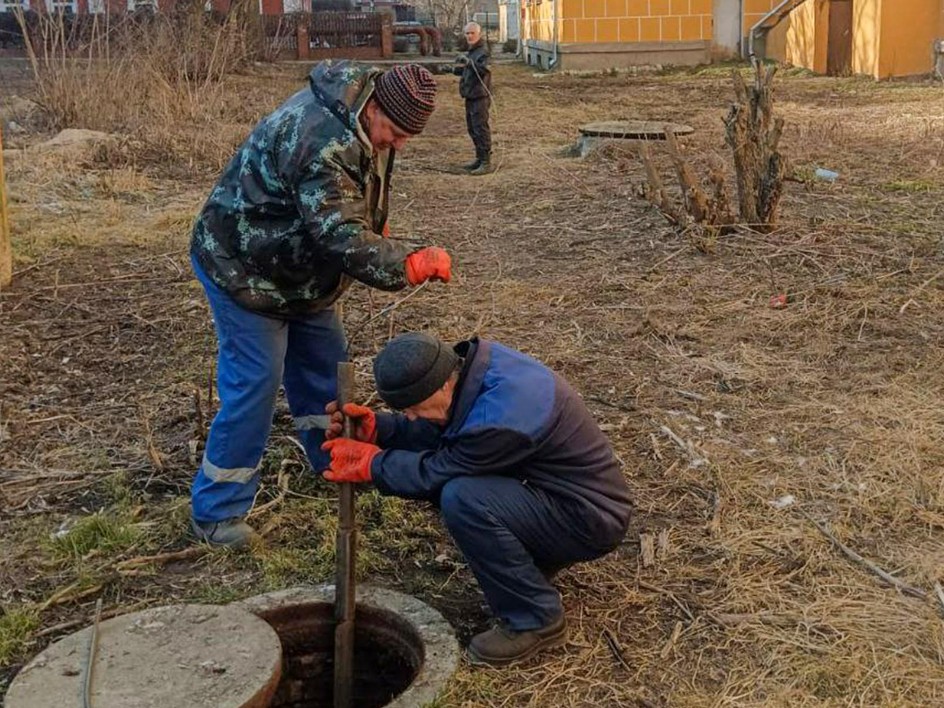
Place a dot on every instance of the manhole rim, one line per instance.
(632, 129)
(441, 648)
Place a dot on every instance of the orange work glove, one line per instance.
(431, 263)
(386, 230)
(350, 460)
(365, 422)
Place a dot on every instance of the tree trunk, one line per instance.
(753, 134)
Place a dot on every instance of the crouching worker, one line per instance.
(525, 479)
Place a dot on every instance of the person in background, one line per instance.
(475, 86)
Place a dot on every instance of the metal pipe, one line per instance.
(741, 28)
(420, 32)
(762, 20)
(553, 62)
(346, 548)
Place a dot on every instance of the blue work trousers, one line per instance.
(256, 354)
(511, 534)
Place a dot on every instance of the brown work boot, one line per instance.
(501, 646)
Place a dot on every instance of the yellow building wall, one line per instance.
(620, 20)
(539, 20)
(634, 20)
(866, 26)
(889, 37)
(908, 31)
(801, 38)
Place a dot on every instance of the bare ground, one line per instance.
(717, 403)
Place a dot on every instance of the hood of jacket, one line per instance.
(343, 87)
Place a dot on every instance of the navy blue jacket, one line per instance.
(511, 416)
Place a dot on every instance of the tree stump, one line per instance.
(753, 134)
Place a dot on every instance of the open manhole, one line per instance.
(591, 134)
(388, 654)
(404, 651)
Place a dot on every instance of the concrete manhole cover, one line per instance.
(633, 129)
(181, 655)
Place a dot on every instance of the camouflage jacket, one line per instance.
(297, 213)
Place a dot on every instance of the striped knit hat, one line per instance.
(407, 94)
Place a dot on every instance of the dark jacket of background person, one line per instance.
(476, 78)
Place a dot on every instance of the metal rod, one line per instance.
(346, 545)
(90, 657)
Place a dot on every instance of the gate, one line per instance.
(349, 35)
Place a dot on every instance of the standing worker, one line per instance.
(526, 481)
(475, 86)
(296, 217)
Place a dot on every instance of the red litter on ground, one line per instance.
(778, 302)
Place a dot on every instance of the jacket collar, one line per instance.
(477, 354)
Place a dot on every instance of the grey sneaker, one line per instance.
(232, 533)
(501, 646)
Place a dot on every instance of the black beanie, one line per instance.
(411, 368)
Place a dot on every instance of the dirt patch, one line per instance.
(737, 422)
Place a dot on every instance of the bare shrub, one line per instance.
(155, 78)
(753, 134)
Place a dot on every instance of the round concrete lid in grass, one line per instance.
(200, 656)
(633, 129)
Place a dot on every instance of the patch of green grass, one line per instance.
(16, 627)
(103, 532)
(118, 488)
(217, 594)
(173, 522)
(912, 186)
(283, 567)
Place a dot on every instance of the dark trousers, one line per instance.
(476, 120)
(509, 532)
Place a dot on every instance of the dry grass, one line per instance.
(159, 83)
(717, 403)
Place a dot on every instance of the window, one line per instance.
(12, 5)
(66, 6)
